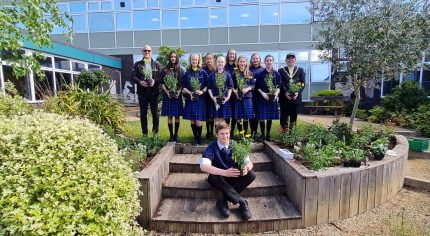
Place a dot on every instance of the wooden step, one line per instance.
(187, 148)
(269, 213)
(195, 185)
(190, 162)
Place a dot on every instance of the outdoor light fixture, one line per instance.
(122, 4)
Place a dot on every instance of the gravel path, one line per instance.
(418, 168)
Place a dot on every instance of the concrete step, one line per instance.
(269, 213)
(195, 185)
(190, 162)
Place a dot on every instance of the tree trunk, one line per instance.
(356, 103)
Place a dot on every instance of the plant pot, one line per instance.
(149, 81)
(172, 94)
(240, 95)
(235, 165)
(195, 97)
(379, 156)
(347, 163)
(271, 97)
(219, 100)
(356, 163)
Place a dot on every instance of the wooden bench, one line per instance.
(337, 109)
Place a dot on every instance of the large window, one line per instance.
(138, 4)
(122, 5)
(44, 87)
(194, 18)
(21, 84)
(78, 7)
(101, 22)
(146, 20)
(295, 12)
(79, 23)
(170, 19)
(123, 21)
(166, 4)
(218, 17)
(60, 30)
(152, 3)
(320, 72)
(243, 15)
(93, 6)
(106, 6)
(62, 63)
(269, 14)
(63, 7)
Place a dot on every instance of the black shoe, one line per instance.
(171, 139)
(195, 142)
(268, 138)
(175, 138)
(200, 141)
(222, 206)
(244, 210)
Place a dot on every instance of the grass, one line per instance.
(133, 129)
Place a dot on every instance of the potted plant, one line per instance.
(220, 84)
(378, 148)
(353, 157)
(270, 86)
(147, 74)
(293, 87)
(195, 85)
(171, 84)
(347, 157)
(241, 150)
(240, 85)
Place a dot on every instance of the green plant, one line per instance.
(92, 79)
(379, 146)
(328, 93)
(378, 114)
(99, 108)
(353, 154)
(220, 84)
(195, 84)
(342, 131)
(240, 82)
(362, 114)
(293, 87)
(146, 72)
(171, 82)
(164, 52)
(407, 97)
(296, 136)
(241, 149)
(63, 175)
(316, 159)
(12, 104)
(270, 83)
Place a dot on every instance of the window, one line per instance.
(106, 6)
(295, 12)
(269, 1)
(186, 3)
(47, 62)
(62, 7)
(170, 19)
(146, 20)
(320, 72)
(93, 6)
(194, 18)
(152, 3)
(201, 2)
(123, 21)
(242, 1)
(316, 55)
(244, 15)
(78, 7)
(60, 30)
(269, 14)
(61, 63)
(21, 84)
(63, 80)
(122, 4)
(300, 55)
(138, 4)
(79, 23)
(215, 3)
(101, 22)
(77, 66)
(165, 4)
(218, 17)
(44, 86)
(94, 67)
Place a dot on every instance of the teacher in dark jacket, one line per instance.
(146, 74)
(292, 85)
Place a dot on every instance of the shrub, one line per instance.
(378, 114)
(63, 175)
(361, 114)
(408, 97)
(342, 131)
(99, 108)
(328, 92)
(92, 79)
(298, 134)
(13, 104)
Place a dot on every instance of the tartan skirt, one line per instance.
(172, 106)
(223, 112)
(195, 110)
(267, 110)
(243, 109)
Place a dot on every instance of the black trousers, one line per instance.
(288, 112)
(231, 187)
(150, 99)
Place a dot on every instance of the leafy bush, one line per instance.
(99, 108)
(361, 114)
(316, 159)
(328, 93)
(378, 114)
(298, 134)
(342, 131)
(62, 175)
(408, 97)
(420, 120)
(92, 79)
(13, 104)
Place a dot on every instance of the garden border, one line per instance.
(339, 193)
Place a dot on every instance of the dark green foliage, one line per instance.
(378, 114)
(342, 131)
(92, 79)
(328, 92)
(408, 97)
(163, 55)
(362, 114)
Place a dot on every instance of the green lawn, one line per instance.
(133, 129)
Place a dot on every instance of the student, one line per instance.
(172, 103)
(220, 112)
(231, 65)
(243, 106)
(267, 109)
(217, 161)
(290, 103)
(195, 110)
(255, 68)
(147, 88)
(209, 68)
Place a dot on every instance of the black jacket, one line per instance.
(137, 76)
(298, 76)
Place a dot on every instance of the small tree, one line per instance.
(92, 79)
(163, 55)
(379, 38)
(27, 20)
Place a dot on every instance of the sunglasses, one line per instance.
(146, 50)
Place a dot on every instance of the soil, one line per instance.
(384, 220)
